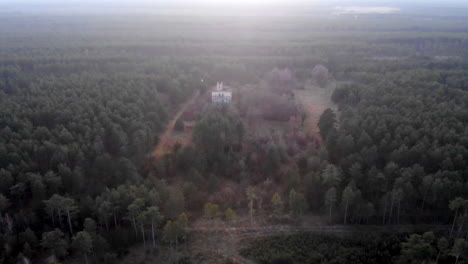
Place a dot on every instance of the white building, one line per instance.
(221, 94)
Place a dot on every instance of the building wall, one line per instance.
(221, 97)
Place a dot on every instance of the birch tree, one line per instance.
(52, 206)
(251, 196)
(398, 197)
(425, 188)
(330, 200)
(460, 248)
(347, 199)
(68, 204)
(62, 204)
(385, 202)
(455, 205)
(141, 220)
(155, 217)
(134, 209)
(104, 212)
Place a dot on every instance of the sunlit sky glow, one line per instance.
(216, 2)
(109, 6)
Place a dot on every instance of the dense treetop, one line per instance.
(84, 99)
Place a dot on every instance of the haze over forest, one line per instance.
(232, 132)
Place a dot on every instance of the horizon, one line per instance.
(219, 6)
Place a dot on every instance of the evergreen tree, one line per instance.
(327, 123)
(297, 203)
(82, 243)
(55, 243)
(277, 204)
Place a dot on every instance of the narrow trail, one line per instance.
(164, 142)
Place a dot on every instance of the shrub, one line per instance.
(179, 125)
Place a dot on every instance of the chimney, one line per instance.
(219, 86)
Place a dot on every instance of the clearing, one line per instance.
(314, 100)
(214, 241)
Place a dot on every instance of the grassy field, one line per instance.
(314, 100)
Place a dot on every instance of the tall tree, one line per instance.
(55, 242)
(347, 199)
(104, 212)
(83, 244)
(51, 206)
(331, 176)
(319, 75)
(62, 204)
(170, 233)
(4, 204)
(460, 248)
(6, 181)
(68, 205)
(399, 195)
(418, 248)
(182, 227)
(155, 218)
(141, 219)
(176, 203)
(455, 205)
(251, 196)
(134, 209)
(385, 198)
(272, 161)
(327, 123)
(89, 225)
(425, 188)
(396, 195)
(330, 200)
(442, 246)
(53, 181)
(173, 231)
(297, 203)
(277, 204)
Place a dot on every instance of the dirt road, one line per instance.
(164, 145)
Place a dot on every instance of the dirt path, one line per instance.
(164, 144)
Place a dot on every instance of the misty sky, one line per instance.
(96, 6)
(156, 2)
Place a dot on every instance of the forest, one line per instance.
(381, 177)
